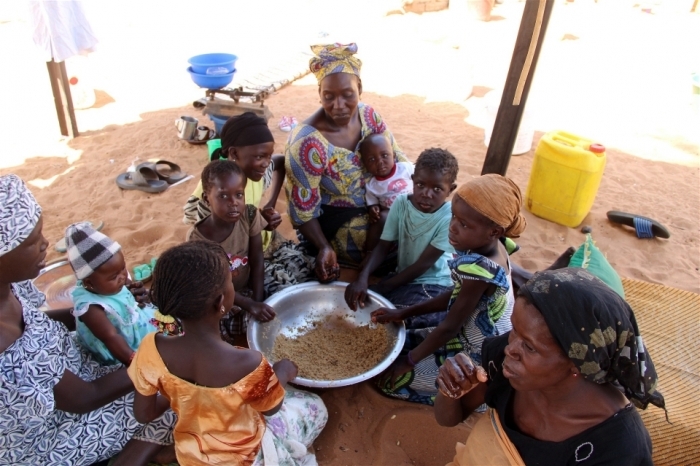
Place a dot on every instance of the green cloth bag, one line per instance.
(589, 257)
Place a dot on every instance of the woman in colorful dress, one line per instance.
(57, 405)
(325, 177)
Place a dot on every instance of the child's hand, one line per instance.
(356, 295)
(373, 212)
(384, 315)
(459, 375)
(261, 312)
(140, 293)
(285, 370)
(272, 217)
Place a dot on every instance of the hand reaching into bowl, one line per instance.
(384, 315)
(261, 312)
(285, 370)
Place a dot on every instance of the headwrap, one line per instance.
(246, 129)
(498, 199)
(19, 215)
(597, 329)
(334, 58)
(88, 249)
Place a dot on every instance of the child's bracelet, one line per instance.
(410, 360)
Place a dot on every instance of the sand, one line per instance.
(601, 74)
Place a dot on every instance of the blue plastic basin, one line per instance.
(213, 63)
(210, 81)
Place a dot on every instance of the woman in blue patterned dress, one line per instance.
(325, 177)
(57, 405)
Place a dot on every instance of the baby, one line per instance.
(109, 322)
(389, 180)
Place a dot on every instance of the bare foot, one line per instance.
(563, 260)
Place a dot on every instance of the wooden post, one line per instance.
(522, 68)
(62, 98)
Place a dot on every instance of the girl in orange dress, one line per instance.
(229, 400)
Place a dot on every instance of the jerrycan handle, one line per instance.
(567, 139)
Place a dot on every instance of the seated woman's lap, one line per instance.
(348, 245)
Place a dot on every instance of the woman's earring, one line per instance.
(223, 310)
(575, 374)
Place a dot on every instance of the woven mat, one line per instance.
(669, 320)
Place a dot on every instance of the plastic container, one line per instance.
(211, 81)
(566, 173)
(526, 132)
(212, 145)
(219, 121)
(211, 63)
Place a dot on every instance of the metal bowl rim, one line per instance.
(378, 369)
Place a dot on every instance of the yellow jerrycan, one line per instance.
(566, 173)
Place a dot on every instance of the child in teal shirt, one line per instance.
(109, 322)
(420, 223)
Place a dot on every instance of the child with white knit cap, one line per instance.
(109, 322)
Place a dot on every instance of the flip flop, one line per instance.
(144, 272)
(643, 226)
(167, 171)
(287, 123)
(143, 179)
(61, 243)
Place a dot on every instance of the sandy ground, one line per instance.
(607, 71)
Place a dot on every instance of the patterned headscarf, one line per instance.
(88, 249)
(497, 198)
(19, 215)
(334, 58)
(597, 330)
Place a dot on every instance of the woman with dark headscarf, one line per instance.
(325, 177)
(247, 140)
(562, 386)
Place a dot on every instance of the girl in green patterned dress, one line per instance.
(485, 215)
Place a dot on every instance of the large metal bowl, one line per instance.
(299, 305)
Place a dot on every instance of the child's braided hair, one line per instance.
(218, 168)
(438, 160)
(188, 278)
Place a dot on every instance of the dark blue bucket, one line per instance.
(219, 121)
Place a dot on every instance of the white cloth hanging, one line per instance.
(61, 29)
